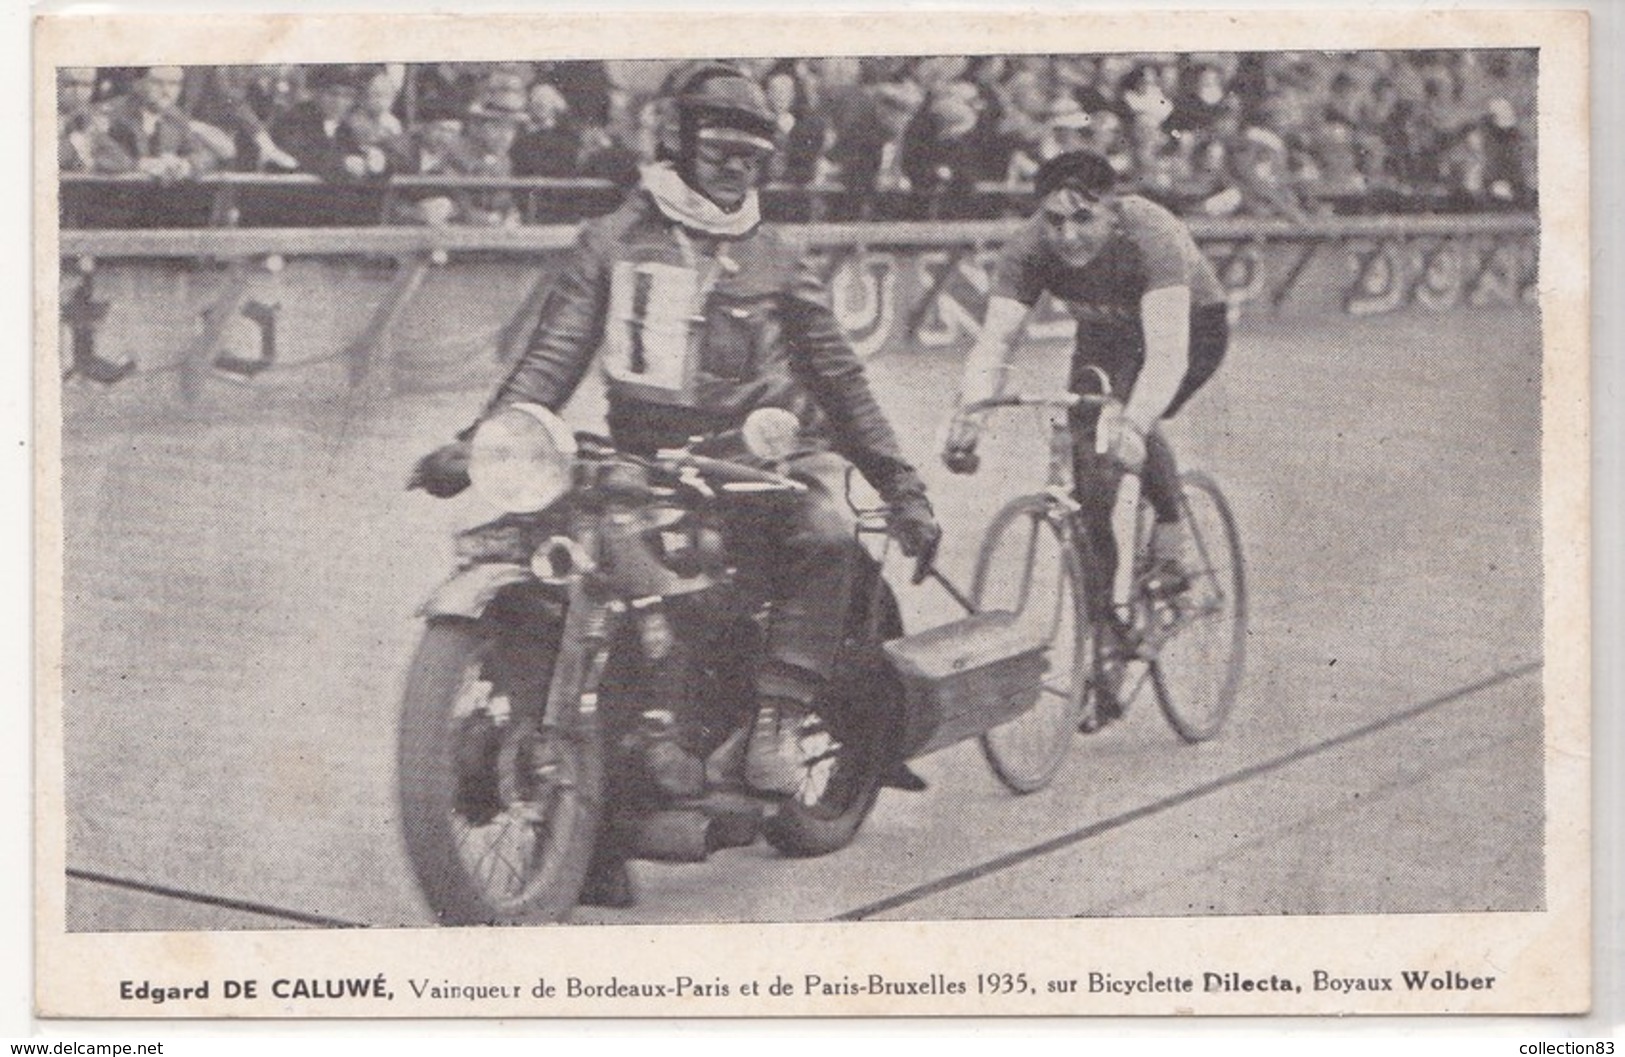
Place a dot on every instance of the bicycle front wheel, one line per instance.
(1029, 567)
(1198, 670)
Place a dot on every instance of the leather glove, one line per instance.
(443, 472)
(914, 526)
(959, 452)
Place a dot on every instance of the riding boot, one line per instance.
(107, 372)
(722, 767)
(904, 778)
(609, 880)
(672, 769)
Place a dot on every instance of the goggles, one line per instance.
(718, 145)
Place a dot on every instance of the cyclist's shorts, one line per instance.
(1120, 351)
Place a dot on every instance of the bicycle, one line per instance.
(1036, 560)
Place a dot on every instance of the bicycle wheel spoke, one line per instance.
(1199, 661)
(1025, 593)
(1025, 548)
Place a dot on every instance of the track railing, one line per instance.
(920, 283)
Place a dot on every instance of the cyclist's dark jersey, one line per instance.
(1152, 249)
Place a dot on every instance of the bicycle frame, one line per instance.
(1144, 612)
(1061, 482)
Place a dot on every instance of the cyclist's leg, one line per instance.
(1097, 479)
(1161, 477)
(1116, 350)
(1210, 338)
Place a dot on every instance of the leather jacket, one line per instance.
(695, 332)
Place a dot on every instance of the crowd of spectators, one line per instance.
(1280, 134)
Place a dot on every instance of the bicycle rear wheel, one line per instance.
(1198, 670)
(1028, 566)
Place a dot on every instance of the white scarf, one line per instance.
(686, 206)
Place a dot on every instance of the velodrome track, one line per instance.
(240, 590)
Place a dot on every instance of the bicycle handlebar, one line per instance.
(1062, 400)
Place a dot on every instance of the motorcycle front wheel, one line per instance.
(499, 811)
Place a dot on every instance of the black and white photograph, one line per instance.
(1016, 515)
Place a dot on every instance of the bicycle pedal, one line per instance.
(1131, 645)
(1104, 703)
(1167, 587)
(1098, 719)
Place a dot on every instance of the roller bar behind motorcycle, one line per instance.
(583, 690)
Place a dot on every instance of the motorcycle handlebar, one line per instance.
(702, 473)
(728, 472)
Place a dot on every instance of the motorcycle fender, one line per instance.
(471, 590)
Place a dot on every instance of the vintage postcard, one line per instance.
(899, 514)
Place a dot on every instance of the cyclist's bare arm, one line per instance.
(1165, 315)
(985, 370)
(989, 358)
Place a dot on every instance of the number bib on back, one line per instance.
(651, 348)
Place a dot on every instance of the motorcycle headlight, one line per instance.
(521, 458)
(771, 433)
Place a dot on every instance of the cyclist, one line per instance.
(1151, 316)
(703, 316)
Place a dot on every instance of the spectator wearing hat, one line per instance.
(318, 135)
(586, 86)
(507, 83)
(1065, 128)
(1202, 97)
(245, 101)
(802, 130)
(1146, 109)
(163, 140)
(1080, 77)
(948, 148)
(868, 135)
(1106, 136)
(374, 122)
(436, 141)
(550, 145)
(435, 148)
(442, 88)
(84, 142)
(1019, 110)
(490, 130)
(1261, 162)
(1504, 154)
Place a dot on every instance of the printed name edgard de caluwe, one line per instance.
(283, 987)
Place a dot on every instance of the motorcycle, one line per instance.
(583, 689)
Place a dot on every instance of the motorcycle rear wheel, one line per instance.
(499, 813)
(838, 790)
